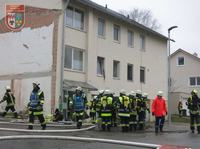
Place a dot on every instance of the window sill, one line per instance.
(129, 46)
(71, 27)
(131, 81)
(101, 37)
(116, 78)
(76, 71)
(116, 41)
(180, 65)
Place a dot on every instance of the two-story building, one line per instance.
(100, 49)
(185, 76)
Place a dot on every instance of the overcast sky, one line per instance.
(183, 13)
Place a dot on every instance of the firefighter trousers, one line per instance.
(195, 121)
(40, 116)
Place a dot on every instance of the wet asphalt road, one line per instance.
(171, 138)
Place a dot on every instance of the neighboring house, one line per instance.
(103, 50)
(185, 76)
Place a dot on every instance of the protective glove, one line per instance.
(153, 114)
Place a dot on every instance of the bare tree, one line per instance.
(142, 16)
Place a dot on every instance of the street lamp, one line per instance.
(169, 73)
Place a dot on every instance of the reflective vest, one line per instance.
(124, 106)
(78, 103)
(35, 99)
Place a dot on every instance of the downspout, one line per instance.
(61, 99)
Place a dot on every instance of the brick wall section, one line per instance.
(36, 18)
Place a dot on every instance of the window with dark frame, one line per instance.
(130, 38)
(142, 74)
(142, 42)
(100, 66)
(181, 61)
(194, 81)
(130, 72)
(116, 69)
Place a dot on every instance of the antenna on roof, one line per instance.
(128, 16)
(195, 54)
(106, 6)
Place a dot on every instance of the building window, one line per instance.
(194, 81)
(75, 18)
(116, 69)
(101, 27)
(130, 72)
(142, 42)
(181, 61)
(142, 74)
(116, 32)
(74, 58)
(100, 66)
(130, 38)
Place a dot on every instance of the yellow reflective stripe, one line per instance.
(37, 113)
(141, 122)
(194, 112)
(106, 114)
(133, 113)
(124, 114)
(92, 111)
(42, 101)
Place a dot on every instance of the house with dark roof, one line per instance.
(185, 76)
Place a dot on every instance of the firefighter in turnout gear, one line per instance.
(114, 112)
(98, 102)
(79, 103)
(106, 110)
(10, 99)
(124, 110)
(141, 109)
(36, 106)
(193, 104)
(133, 112)
(92, 108)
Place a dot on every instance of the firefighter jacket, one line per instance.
(79, 102)
(193, 104)
(141, 105)
(133, 105)
(36, 101)
(106, 106)
(9, 98)
(124, 106)
(158, 107)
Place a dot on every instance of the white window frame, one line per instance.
(73, 19)
(72, 56)
(132, 72)
(143, 68)
(103, 71)
(196, 85)
(142, 42)
(132, 43)
(119, 33)
(104, 29)
(178, 60)
(118, 71)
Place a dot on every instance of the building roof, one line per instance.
(186, 53)
(119, 16)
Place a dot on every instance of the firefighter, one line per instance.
(159, 110)
(193, 104)
(36, 106)
(145, 99)
(141, 109)
(92, 108)
(106, 110)
(114, 112)
(10, 99)
(124, 110)
(133, 111)
(98, 103)
(180, 108)
(79, 103)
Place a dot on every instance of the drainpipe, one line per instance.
(61, 98)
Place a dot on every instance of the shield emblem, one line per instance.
(15, 16)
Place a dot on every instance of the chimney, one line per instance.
(195, 54)
(106, 6)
